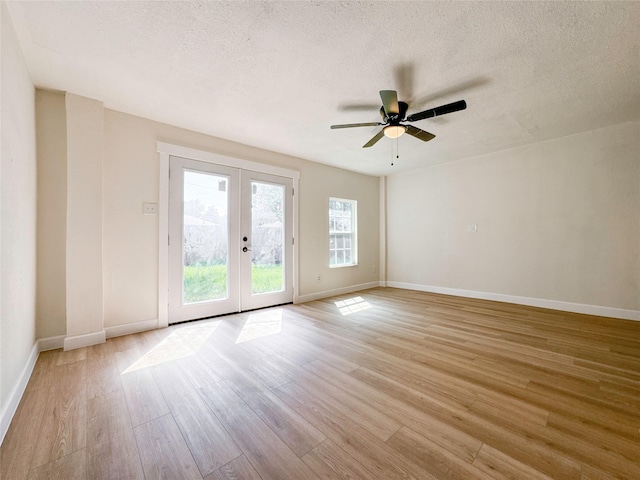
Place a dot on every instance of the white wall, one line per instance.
(558, 220)
(17, 221)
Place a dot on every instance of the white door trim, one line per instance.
(193, 154)
(166, 150)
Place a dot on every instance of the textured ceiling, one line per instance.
(276, 75)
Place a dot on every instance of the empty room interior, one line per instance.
(291, 240)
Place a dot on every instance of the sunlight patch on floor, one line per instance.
(182, 343)
(261, 324)
(352, 305)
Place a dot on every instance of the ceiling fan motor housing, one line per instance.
(393, 118)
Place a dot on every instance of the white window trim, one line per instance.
(354, 233)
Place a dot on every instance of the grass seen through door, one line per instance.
(209, 282)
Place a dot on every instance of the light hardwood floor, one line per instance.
(385, 384)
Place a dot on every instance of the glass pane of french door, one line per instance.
(203, 240)
(267, 226)
(267, 233)
(205, 237)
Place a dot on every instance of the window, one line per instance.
(342, 232)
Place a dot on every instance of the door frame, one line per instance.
(166, 150)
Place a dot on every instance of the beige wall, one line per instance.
(84, 216)
(17, 219)
(317, 184)
(130, 177)
(557, 220)
(130, 240)
(51, 133)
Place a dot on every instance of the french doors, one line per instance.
(230, 239)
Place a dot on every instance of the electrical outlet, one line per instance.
(150, 208)
(373, 269)
(472, 228)
(318, 278)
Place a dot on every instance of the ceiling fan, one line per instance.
(393, 112)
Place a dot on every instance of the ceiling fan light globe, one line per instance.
(394, 131)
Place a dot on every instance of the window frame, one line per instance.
(352, 233)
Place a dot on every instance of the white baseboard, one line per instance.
(532, 302)
(79, 341)
(129, 328)
(331, 293)
(13, 400)
(68, 343)
(51, 343)
(60, 341)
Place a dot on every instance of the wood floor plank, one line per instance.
(331, 462)
(271, 457)
(570, 402)
(209, 442)
(590, 473)
(434, 459)
(63, 428)
(375, 421)
(381, 461)
(111, 445)
(292, 429)
(416, 386)
(143, 395)
(338, 361)
(70, 356)
(18, 447)
(610, 441)
(456, 441)
(539, 456)
(163, 452)
(103, 376)
(503, 467)
(237, 469)
(69, 466)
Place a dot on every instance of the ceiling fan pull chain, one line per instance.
(397, 151)
(392, 153)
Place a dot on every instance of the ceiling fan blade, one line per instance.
(350, 125)
(374, 139)
(390, 101)
(359, 107)
(453, 90)
(404, 74)
(435, 112)
(421, 134)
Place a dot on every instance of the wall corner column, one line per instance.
(382, 277)
(84, 275)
